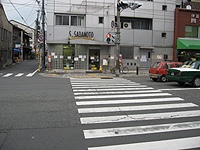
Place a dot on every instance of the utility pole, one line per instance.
(118, 40)
(120, 7)
(43, 30)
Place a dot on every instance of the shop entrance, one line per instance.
(94, 59)
(68, 57)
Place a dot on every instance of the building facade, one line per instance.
(76, 33)
(6, 31)
(30, 31)
(187, 33)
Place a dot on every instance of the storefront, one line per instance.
(188, 49)
(81, 56)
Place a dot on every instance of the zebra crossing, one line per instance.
(120, 114)
(17, 75)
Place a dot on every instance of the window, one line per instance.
(137, 23)
(58, 20)
(164, 35)
(65, 20)
(101, 20)
(62, 20)
(164, 7)
(77, 21)
(81, 21)
(127, 52)
(191, 31)
(74, 20)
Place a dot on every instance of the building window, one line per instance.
(127, 52)
(81, 21)
(191, 31)
(58, 20)
(164, 35)
(74, 20)
(136, 23)
(164, 7)
(65, 20)
(100, 19)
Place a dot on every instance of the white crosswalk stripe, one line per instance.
(7, 75)
(18, 75)
(103, 103)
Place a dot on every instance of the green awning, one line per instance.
(188, 44)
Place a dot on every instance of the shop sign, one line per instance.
(81, 35)
(194, 18)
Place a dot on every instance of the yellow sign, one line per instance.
(86, 38)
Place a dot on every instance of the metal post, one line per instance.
(118, 40)
(22, 44)
(43, 29)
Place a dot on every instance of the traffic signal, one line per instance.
(122, 5)
(108, 35)
(135, 5)
(128, 4)
(114, 38)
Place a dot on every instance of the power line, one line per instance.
(17, 11)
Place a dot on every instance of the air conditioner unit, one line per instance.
(127, 25)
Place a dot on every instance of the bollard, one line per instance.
(137, 70)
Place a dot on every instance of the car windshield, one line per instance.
(155, 65)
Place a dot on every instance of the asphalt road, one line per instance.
(37, 112)
(187, 92)
(42, 112)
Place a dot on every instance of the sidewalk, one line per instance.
(91, 74)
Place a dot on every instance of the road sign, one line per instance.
(41, 38)
(112, 24)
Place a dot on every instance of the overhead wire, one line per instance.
(18, 12)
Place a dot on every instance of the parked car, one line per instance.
(182, 75)
(159, 69)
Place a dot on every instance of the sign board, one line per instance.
(112, 24)
(41, 38)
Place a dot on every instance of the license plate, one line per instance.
(172, 73)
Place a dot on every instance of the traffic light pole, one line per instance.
(118, 40)
(43, 29)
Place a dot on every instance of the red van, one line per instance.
(159, 69)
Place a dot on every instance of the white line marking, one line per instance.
(106, 102)
(172, 144)
(31, 74)
(115, 89)
(19, 74)
(105, 86)
(118, 92)
(135, 108)
(138, 117)
(179, 89)
(120, 96)
(7, 75)
(126, 131)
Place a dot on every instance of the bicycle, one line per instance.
(124, 69)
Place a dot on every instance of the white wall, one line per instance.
(163, 21)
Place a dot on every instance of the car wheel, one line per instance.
(196, 81)
(154, 79)
(163, 79)
(181, 83)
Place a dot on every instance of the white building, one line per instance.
(146, 33)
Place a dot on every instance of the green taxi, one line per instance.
(189, 75)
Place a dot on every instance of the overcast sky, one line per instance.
(18, 9)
